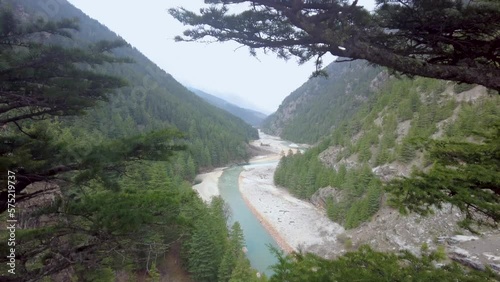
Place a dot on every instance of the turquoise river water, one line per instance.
(257, 238)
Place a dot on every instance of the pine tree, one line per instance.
(203, 263)
(366, 264)
(190, 168)
(242, 271)
(207, 245)
(464, 174)
(407, 150)
(373, 196)
(299, 29)
(233, 251)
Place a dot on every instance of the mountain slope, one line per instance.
(382, 128)
(153, 99)
(249, 116)
(108, 195)
(392, 128)
(320, 104)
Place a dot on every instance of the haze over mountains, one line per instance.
(251, 117)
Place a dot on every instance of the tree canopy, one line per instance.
(103, 182)
(464, 174)
(445, 39)
(41, 80)
(366, 264)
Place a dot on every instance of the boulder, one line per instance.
(385, 172)
(320, 197)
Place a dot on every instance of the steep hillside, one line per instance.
(249, 116)
(153, 99)
(387, 137)
(390, 134)
(321, 104)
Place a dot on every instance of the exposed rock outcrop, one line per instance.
(329, 158)
(46, 194)
(320, 197)
(379, 81)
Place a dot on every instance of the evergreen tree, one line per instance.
(203, 263)
(113, 207)
(36, 86)
(207, 244)
(373, 196)
(233, 251)
(311, 29)
(242, 271)
(464, 174)
(368, 265)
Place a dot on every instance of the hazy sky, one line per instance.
(222, 69)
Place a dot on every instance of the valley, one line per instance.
(300, 225)
(261, 207)
(384, 165)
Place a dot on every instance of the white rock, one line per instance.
(491, 256)
(462, 238)
(460, 252)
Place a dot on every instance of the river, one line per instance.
(257, 239)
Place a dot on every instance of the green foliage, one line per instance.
(474, 117)
(242, 271)
(232, 253)
(100, 275)
(39, 86)
(213, 253)
(366, 264)
(119, 181)
(374, 127)
(154, 274)
(464, 174)
(206, 246)
(304, 174)
(138, 222)
(415, 45)
(406, 150)
(153, 99)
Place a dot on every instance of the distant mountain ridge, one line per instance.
(251, 117)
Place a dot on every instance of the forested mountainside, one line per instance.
(153, 99)
(321, 104)
(384, 131)
(100, 152)
(251, 117)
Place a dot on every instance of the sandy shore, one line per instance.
(269, 227)
(295, 224)
(273, 144)
(209, 186)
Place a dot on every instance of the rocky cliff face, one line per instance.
(391, 231)
(388, 230)
(337, 155)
